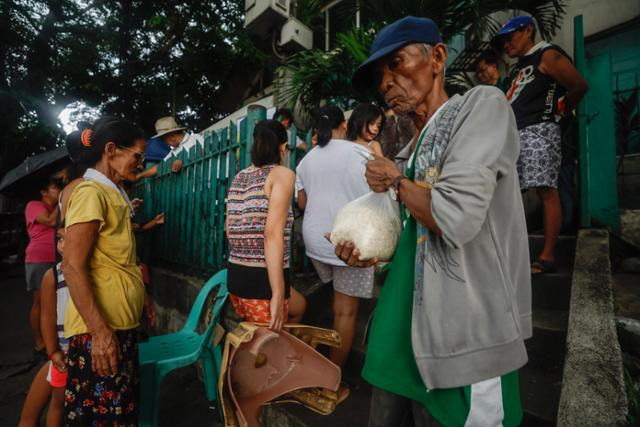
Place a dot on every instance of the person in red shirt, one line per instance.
(41, 217)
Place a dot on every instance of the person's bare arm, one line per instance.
(156, 221)
(152, 171)
(560, 68)
(79, 245)
(47, 218)
(280, 192)
(302, 199)
(48, 313)
(377, 149)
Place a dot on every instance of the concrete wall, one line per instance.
(598, 15)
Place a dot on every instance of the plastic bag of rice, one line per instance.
(372, 222)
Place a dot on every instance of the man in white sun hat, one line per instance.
(169, 140)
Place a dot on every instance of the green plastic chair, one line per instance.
(164, 353)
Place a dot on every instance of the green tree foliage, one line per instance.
(137, 59)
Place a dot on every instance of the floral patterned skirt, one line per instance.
(92, 400)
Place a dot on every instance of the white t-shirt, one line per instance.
(331, 176)
(189, 140)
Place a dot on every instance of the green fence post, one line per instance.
(583, 152)
(204, 208)
(213, 198)
(309, 141)
(220, 205)
(293, 139)
(255, 114)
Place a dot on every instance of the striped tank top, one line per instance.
(247, 207)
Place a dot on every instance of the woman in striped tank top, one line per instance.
(259, 221)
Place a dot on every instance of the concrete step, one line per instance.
(565, 249)
(541, 377)
(552, 290)
(550, 320)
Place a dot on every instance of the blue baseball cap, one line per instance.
(514, 24)
(404, 31)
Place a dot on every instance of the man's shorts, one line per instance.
(540, 155)
(352, 281)
(55, 377)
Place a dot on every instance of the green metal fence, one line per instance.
(194, 200)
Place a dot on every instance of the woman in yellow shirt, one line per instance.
(105, 285)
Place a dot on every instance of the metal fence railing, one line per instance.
(194, 200)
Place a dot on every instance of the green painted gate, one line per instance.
(597, 134)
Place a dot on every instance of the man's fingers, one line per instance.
(346, 250)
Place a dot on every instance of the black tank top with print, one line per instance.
(535, 97)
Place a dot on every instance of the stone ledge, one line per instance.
(593, 389)
(173, 295)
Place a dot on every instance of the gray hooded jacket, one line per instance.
(472, 311)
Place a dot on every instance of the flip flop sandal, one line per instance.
(545, 267)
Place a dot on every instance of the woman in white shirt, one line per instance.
(328, 177)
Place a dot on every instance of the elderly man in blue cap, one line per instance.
(543, 87)
(447, 336)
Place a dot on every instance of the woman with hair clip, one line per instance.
(259, 220)
(328, 177)
(364, 126)
(104, 282)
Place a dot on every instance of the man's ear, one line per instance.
(110, 148)
(439, 57)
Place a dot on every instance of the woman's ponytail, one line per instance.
(329, 118)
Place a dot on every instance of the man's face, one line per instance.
(286, 123)
(518, 42)
(405, 78)
(174, 138)
(487, 74)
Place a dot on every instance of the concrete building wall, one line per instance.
(598, 15)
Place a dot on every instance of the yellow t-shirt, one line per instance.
(116, 279)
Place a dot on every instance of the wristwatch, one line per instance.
(395, 186)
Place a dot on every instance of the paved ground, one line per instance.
(182, 395)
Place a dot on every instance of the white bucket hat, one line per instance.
(165, 125)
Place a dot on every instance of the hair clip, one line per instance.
(85, 137)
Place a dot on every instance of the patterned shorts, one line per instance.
(92, 400)
(540, 155)
(255, 310)
(352, 281)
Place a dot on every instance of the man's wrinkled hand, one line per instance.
(348, 253)
(380, 174)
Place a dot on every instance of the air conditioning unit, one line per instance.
(295, 36)
(262, 16)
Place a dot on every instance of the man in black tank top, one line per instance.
(542, 87)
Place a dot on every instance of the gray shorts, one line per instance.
(35, 272)
(540, 155)
(352, 281)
